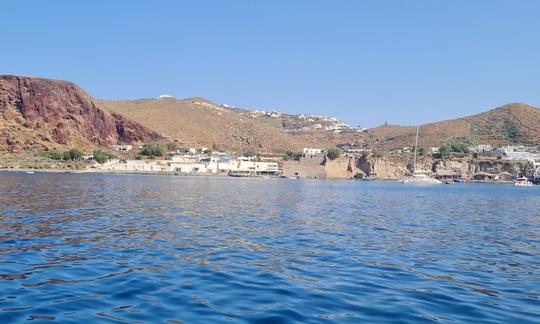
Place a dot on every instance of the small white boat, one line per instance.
(29, 172)
(523, 182)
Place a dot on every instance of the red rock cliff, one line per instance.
(43, 112)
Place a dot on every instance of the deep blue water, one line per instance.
(104, 248)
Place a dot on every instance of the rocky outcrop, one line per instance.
(393, 167)
(467, 168)
(43, 112)
(341, 168)
(384, 168)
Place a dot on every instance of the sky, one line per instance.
(367, 62)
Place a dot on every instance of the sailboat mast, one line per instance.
(415, 148)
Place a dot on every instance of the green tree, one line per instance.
(152, 149)
(459, 147)
(290, 155)
(72, 155)
(444, 152)
(333, 153)
(100, 156)
(56, 155)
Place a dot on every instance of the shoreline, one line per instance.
(212, 175)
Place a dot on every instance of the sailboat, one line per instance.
(417, 176)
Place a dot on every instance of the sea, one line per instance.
(86, 248)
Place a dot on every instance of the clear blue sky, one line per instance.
(364, 61)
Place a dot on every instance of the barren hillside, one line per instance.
(37, 113)
(510, 124)
(199, 122)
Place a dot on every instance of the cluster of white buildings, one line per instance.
(272, 113)
(217, 163)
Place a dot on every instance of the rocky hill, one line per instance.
(37, 113)
(199, 122)
(514, 123)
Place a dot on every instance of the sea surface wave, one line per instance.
(163, 249)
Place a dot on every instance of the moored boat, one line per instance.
(523, 182)
(418, 177)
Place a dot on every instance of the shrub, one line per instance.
(444, 152)
(333, 153)
(153, 149)
(55, 155)
(171, 146)
(100, 156)
(72, 155)
(250, 153)
(289, 155)
(377, 153)
(359, 175)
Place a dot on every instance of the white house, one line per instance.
(308, 150)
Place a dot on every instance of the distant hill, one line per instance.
(196, 121)
(37, 112)
(514, 123)
(200, 122)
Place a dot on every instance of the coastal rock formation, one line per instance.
(341, 168)
(37, 112)
(469, 167)
(383, 168)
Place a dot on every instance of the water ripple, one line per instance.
(139, 249)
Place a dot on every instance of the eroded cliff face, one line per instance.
(37, 112)
(394, 167)
(468, 167)
(383, 168)
(341, 168)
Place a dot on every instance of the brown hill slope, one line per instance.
(514, 123)
(199, 122)
(36, 112)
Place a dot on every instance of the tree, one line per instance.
(444, 151)
(290, 155)
(459, 147)
(421, 151)
(153, 149)
(72, 155)
(55, 155)
(100, 156)
(333, 153)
